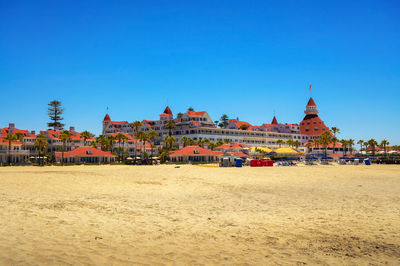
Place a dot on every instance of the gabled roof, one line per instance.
(311, 102)
(195, 114)
(85, 151)
(194, 150)
(55, 134)
(167, 110)
(231, 146)
(107, 118)
(274, 121)
(238, 124)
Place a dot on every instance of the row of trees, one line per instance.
(326, 139)
(373, 144)
(290, 142)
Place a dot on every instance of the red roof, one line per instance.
(231, 146)
(312, 125)
(274, 121)
(337, 145)
(4, 131)
(195, 114)
(238, 124)
(167, 111)
(107, 118)
(194, 150)
(118, 122)
(311, 102)
(85, 151)
(55, 134)
(239, 154)
(5, 142)
(268, 126)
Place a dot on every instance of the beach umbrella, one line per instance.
(286, 150)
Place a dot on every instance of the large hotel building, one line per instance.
(194, 125)
(199, 125)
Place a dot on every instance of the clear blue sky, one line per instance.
(242, 58)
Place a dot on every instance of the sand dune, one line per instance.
(197, 215)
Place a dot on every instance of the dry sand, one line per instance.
(198, 215)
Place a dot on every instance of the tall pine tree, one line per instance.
(55, 111)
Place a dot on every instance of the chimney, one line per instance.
(33, 132)
(98, 146)
(11, 127)
(72, 130)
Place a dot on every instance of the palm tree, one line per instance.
(344, 143)
(290, 142)
(19, 136)
(64, 137)
(169, 140)
(85, 135)
(121, 138)
(41, 144)
(211, 145)
(325, 139)
(361, 143)
(280, 142)
(334, 131)
(227, 141)
(316, 143)
(350, 142)
(334, 141)
(384, 143)
(135, 126)
(152, 137)
(103, 141)
(190, 109)
(184, 141)
(200, 142)
(309, 146)
(142, 136)
(170, 125)
(296, 143)
(179, 115)
(10, 138)
(219, 143)
(372, 143)
(110, 143)
(192, 142)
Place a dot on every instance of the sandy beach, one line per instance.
(198, 215)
